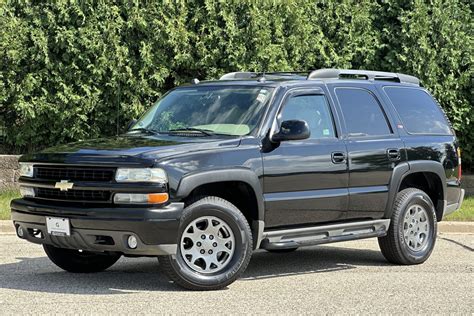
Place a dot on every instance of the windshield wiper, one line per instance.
(206, 132)
(143, 129)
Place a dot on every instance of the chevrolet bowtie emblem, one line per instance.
(64, 185)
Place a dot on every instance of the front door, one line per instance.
(305, 181)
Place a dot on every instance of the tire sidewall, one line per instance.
(242, 244)
(423, 200)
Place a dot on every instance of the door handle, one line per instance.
(393, 154)
(338, 157)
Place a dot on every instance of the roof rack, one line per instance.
(252, 75)
(362, 74)
(327, 74)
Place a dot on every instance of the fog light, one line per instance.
(132, 242)
(27, 191)
(20, 231)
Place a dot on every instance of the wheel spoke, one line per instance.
(214, 230)
(224, 240)
(191, 255)
(212, 263)
(222, 248)
(195, 232)
(424, 227)
(416, 216)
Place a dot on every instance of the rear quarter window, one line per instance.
(418, 111)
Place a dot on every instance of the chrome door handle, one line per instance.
(393, 154)
(338, 157)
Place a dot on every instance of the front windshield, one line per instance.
(216, 110)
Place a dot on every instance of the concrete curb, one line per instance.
(6, 227)
(456, 227)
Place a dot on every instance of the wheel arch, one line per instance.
(192, 182)
(435, 172)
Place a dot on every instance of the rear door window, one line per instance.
(362, 112)
(418, 111)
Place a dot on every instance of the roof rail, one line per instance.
(362, 74)
(238, 75)
(251, 75)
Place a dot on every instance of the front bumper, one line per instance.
(103, 229)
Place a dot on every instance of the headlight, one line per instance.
(141, 175)
(26, 169)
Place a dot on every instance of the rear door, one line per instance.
(305, 181)
(373, 144)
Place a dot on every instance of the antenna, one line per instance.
(262, 79)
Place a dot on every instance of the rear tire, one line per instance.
(214, 246)
(80, 262)
(413, 227)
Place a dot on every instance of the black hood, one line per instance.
(132, 150)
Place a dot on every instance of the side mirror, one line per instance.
(292, 130)
(131, 123)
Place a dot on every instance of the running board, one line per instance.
(309, 236)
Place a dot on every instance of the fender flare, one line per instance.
(406, 168)
(193, 180)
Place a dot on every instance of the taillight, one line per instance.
(459, 165)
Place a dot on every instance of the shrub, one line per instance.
(67, 68)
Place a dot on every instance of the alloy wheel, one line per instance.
(416, 227)
(207, 244)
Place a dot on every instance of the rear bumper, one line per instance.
(456, 206)
(103, 229)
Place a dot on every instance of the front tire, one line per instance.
(80, 262)
(413, 227)
(214, 246)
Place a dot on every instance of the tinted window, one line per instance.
(418, 111)
(314, 110)
(362, 113)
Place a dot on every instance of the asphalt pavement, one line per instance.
(349, 277)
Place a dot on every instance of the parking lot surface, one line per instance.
(349, 277)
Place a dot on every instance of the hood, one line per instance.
(127, 150)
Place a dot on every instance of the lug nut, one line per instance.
(210, 252)
(214, 244)
(202, 251)
(198, 244)
(203, 236)
(211, 237)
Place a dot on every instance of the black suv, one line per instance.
(215, 170)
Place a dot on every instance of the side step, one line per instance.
(309, 236)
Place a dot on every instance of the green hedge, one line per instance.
(66, 67)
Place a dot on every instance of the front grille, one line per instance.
(73, 195)
(75, 173)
